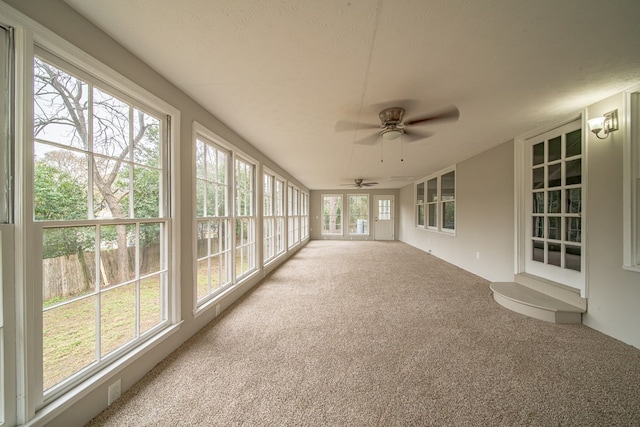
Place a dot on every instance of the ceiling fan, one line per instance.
(393, 125)
(359, 183)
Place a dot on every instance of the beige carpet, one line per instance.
(376, 334)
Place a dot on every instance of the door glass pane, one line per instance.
(572, 257)
(555, 175)
(538, 202)
(574, 200)
(574, 172)
(537, 254)
(384, 210)
(574, 143)
(538, 226)
(553, 230)
(538, 178)
(554, 254)
(554, 204)
(555, 149)
(573, 229)
(538, 153)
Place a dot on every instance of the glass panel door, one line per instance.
(554, 245)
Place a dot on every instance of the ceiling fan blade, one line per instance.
(346, 125)
(369, 184)
(407, 104)
(410, 136)
(369, 140)
(447, 114)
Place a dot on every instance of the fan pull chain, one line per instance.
(401, 148)
(381, 151)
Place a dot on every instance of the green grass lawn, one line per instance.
(70, 339)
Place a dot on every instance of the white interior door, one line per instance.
(384, 228)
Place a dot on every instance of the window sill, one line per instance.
(634, 268)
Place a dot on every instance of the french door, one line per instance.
(553, 194)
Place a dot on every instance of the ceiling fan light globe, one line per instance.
(391, 134)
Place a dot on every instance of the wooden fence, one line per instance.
(67, 276)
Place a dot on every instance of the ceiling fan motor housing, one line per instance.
(391, 116)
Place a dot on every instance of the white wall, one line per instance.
(484, 217)
(613, 293)
(485, 223)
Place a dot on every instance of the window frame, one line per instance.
(434, 208)
(37, 229)
(341, 224)
(304, 215)
(419, 197)
(30, 401)
(350, 214)
(276, 219)
(249, 215)
(225, 250)
(631, 181)
(293, 215)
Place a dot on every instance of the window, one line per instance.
(631, 186)
(448, 197)
(245, 217)
(439, 205)
(358, 214)
(304, 215)
(273, 213)
(332, 214)
(293, 212)
(384, 209)
(420, 204)
(279, 214)
(268, 220)
(432, 203)
(100, 219)
(213, 221)
(7, 247)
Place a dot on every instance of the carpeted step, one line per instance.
(532, 303)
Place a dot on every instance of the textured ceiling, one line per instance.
(282, 73)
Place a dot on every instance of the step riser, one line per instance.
(537, 313)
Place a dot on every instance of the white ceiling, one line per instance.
(282, 73)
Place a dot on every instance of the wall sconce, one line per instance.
(607, 123)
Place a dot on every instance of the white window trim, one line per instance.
(368, 233)
(198, 129)
(322, 232)
(29, 404)
(304, 216)
(439, 203)
(423, 204)
(631, 180)
(293, 217)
